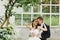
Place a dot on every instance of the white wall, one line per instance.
(2, 8)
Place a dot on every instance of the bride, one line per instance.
(35, 31)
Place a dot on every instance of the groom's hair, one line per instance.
(41, 18)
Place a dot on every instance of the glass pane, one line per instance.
(45, 1)
(55, 9)
(46, 19)
(55, 1)
(26, 8)
(18, 19)
(46, 9)
(59, 19)
(26, 18)
(55, 20)
(36, 15)
(36, 8)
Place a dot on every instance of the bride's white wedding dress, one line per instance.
(36, 34)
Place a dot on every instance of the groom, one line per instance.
(45, 34)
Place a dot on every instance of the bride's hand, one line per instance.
(42, 24)
(28, 26)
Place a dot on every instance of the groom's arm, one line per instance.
(46, 34)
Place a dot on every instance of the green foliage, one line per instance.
(36, 15)
(46, 9)
(26, 2)
(36, 8)
(45, 1)
(46, 19)
(55, 9)
(55, 1)
(26, 8)
(5, 33)
(26, 18)
(18, 19)
(55, 20)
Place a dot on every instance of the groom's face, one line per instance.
(40, 21)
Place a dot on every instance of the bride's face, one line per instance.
(35, 22)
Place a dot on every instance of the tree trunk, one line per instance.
(8, 12)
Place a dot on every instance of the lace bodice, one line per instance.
(36, 32)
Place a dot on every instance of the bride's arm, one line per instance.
(44, 29)
(29, 26)
(41, 27)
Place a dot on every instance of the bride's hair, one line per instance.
(32, 23)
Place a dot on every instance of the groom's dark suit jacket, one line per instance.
(45, 34)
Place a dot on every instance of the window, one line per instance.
(26, 8)
(55, 9)
(36, 8)
(26, 18)
(36, 15)
(55, 20)
(49, 10)
(18, 19)
(46, 9)
(46, 19)
(45, 1)
(55, 1)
